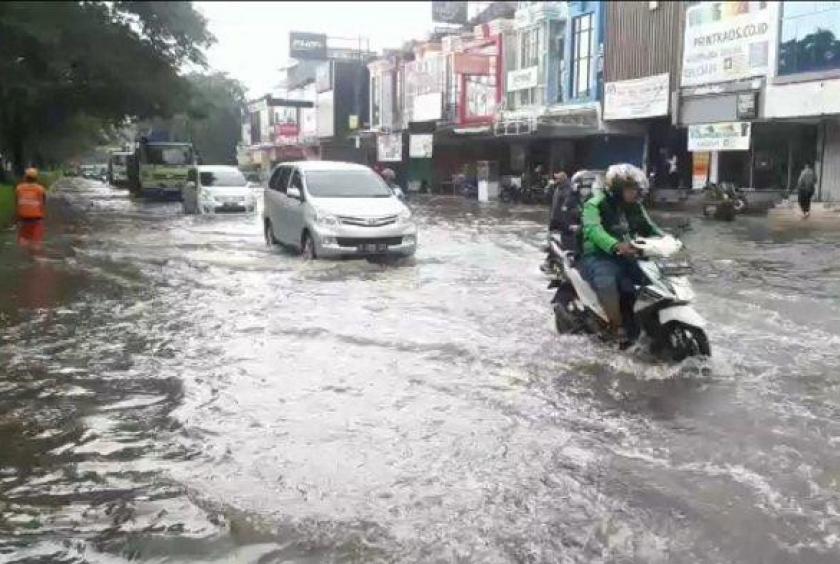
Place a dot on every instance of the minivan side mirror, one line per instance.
(294, 193)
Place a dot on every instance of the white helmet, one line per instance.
(620, 175)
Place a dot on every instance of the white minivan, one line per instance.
(333, 209)
(217, 189)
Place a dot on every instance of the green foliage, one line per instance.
(89, 63)
(7, 204)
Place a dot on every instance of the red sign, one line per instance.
(470, 63)
(285, 132)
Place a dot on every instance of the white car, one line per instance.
(218, 189)
(333, 209)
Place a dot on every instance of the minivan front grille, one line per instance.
(356, 241)
(367, 221)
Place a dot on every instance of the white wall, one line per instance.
(802, 99)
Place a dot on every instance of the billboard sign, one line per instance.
(726, 41)
(307, 45)
(449, 12)
(420, 145)
(637, 98)
(389, 148)
(523, 79)
(726, 136)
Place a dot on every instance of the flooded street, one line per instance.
(172, 390)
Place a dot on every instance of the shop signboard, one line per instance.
(726, 41)
(420, 145)
(449, 12)
(523, 79)
(307, 45)
(471, 63)
(637, 98)
(389, 147)
(746, 105)
(353, 122)
(700, 169)
(726, 136)
(427, 107)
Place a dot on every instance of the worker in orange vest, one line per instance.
(31, 200)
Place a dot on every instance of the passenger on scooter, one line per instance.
(610, 221)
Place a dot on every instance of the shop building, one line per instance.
(643, 49)
(727, 52)
(802, 96)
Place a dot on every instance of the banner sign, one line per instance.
(469, 63)
(727, 136)
(285, 133)
(420, 145)
(726, 41)
(389, 147)
(637, 98)
(523, 79)
(747, 105)
(700, 169)
(307, 45)
(449, 12)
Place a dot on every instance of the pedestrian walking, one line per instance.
(805, 187)
(30, 199)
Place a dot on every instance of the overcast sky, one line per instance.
(253, 37)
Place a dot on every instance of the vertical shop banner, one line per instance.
(420, 145)
(726, 41)
(637, 98)
(325, 112)
(389, 148)
(700, 162)
(727, 136)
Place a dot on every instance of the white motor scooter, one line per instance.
(663, 306)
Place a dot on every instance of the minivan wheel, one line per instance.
(270, 239)
(308, 247)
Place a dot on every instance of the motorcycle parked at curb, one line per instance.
(724, 201)
(663, 307)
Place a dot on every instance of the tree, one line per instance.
(214, 117)
(104, 61)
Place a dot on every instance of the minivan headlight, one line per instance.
(325, 219)
(404, 216)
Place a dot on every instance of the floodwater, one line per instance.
(171, 390)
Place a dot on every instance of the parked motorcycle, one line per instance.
(724, 201)
(663, 306)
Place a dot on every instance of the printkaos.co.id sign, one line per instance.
(726, 136)
(637, 98)
(726, 41)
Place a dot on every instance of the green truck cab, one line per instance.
(159, 169)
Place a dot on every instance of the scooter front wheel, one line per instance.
(679, 341)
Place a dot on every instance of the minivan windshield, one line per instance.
(224, 177)
(346, 184)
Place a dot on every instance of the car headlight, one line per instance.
(326, 219)
(404, 216)
(207, 197)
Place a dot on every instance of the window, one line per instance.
(346, 184)
(280, 179)
(529, 56)
(582, 56)
(163, 155)
(810, 37)
(222, 177)
(296, 181)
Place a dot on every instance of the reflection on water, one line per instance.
(171, 390)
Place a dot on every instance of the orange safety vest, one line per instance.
(31, 198)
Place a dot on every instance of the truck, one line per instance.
(118, 162)
(158, 169)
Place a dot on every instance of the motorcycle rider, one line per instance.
(611, 219)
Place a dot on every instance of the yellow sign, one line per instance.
(353, 122)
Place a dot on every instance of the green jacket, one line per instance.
(608, 221)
